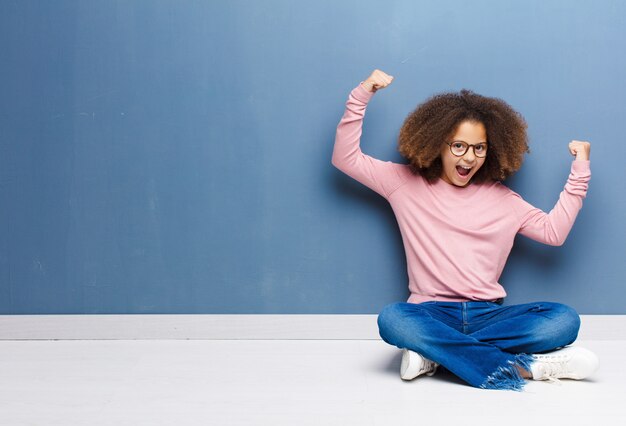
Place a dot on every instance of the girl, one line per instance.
(458, 223)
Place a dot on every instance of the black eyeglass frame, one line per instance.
(467, 147)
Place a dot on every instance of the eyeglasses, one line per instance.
(459, 148)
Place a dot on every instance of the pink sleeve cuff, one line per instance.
(362, 94)
(581, 166)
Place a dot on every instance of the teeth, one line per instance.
(466, 168)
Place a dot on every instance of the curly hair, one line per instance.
(436, 120)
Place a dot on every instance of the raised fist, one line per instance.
(378, 80)
(580, 149)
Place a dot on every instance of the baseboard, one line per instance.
(228, 327)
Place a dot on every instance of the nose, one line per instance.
(470, 155)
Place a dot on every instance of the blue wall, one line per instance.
(174, 156)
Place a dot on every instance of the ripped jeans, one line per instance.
(480, 342)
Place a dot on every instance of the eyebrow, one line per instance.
(461, 140)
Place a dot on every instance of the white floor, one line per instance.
(277, 382)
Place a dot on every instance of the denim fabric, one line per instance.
(480, 342)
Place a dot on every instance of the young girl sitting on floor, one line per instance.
(458, 223)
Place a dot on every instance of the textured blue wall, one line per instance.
(174, 156)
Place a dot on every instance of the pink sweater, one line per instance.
(456, 239)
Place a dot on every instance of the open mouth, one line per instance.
(463, 171)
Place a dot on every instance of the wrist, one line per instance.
(369, 86)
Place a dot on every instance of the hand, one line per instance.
(378, 80)
(580, 149)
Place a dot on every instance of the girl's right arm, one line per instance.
(381, 176)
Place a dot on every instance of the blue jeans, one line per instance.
(480, 342)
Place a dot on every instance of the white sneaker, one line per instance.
(413, 365)
(571, 362)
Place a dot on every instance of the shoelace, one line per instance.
(553, 380)
(429, 367)
(553, 367)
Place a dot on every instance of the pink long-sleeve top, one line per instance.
(456, 239)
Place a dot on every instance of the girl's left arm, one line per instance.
(552, 228)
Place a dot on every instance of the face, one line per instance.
(472, 133)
